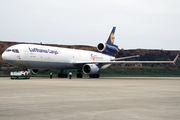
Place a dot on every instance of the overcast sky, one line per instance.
(146, 24)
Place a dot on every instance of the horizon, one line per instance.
(139, 23)
(86, 46)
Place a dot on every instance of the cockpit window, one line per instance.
(15, 50)
(8, 50)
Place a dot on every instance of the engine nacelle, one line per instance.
(39, 71)
(90, 69)
(106, 48)
(101, 47)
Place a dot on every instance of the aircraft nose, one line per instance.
(4, 56)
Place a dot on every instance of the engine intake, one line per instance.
(90, 69)
(101, 47)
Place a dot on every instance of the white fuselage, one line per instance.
(48, 57)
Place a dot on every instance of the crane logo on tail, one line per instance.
(112, 38)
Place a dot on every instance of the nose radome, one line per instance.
(4, 56)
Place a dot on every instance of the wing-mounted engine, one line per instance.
(39, 71)
(107, 48)
(90, 69)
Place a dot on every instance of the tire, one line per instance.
(59, 75)
(81, 75)
(94, 76)
(66, 75)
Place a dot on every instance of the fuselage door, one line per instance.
(26, 53)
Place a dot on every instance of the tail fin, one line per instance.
(111, 38)
(108, 48)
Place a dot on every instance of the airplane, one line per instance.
(41, 58)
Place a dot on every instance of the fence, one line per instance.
(109, 72)
(126, 72)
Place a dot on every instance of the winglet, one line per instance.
(174, 61)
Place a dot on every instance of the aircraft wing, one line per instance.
(124, 62)
(122, 58)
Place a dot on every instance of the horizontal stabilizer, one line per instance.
(174, 61)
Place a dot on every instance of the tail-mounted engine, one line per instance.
(107, 49)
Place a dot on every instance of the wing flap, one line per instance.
(122, 58)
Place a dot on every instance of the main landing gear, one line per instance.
(94, 76)
(62, 74)
(79, 74)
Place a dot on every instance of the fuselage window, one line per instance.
(15, 50)
(8, 50)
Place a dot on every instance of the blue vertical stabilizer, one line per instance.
(111, 38)
(109, 48)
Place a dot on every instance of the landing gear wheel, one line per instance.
(79, 75)
(62, 75)
(59, 75)
(94, 76)
(65, 75)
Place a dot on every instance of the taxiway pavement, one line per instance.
(108, 98)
